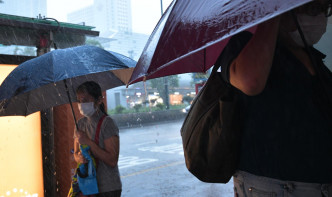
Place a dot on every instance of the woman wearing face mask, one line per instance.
(285, 90)
(106, 152)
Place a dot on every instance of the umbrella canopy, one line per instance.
(39, 83)
(191, 34)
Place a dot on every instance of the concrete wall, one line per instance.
(146, 118)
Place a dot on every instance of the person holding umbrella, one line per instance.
(286, 92)
(105, 147)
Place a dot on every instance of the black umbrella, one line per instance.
(51, 79)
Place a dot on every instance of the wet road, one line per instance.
(152, 164)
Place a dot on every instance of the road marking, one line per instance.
(151, 142)
(130, 161)
(175, 138)
(151, 169)
(170, 148)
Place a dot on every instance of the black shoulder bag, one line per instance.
(211, 132)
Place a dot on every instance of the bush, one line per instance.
(137, 107)
(187, 99)
(119, 109)
(160, 106)
(178, 106)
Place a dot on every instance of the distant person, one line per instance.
(286, 147)
(89, 96)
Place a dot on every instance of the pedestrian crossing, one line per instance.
(131, 161)
(174, 148)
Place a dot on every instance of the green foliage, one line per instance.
(177, 106)
(28, 51)
(119, 109)
(137, 107)
(145, 109)
(187, 99)
(160, 106)
(159, 84)
(93, 42)
(199, 77)
(173, 81)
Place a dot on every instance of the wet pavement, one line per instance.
(152, 164)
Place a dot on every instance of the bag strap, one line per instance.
(97, 135)
(98, 129)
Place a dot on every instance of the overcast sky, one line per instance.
(145, 13)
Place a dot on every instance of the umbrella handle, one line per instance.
(71, 105)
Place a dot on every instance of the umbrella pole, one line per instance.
(71, 105)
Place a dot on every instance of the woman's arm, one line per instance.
(110, 153)
(250, 70)
(77, 153)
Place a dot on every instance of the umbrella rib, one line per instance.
(27, 104)
(204, 66)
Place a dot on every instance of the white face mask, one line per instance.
(87, 109)
(313, 28)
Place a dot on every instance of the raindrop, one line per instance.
(46, 158)
(54, 173)
(8, 193)
(15, 190)
(59, 94)
(21, 190)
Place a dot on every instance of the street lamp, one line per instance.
(165, 78)
(161, 7)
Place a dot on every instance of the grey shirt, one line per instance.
(108, 178)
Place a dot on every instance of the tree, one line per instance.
(16, 50)
(93, 42)
(159, 84)
(187, 99)
(137, 107)
(29, 51)
(119, 109)
(199, 77)
(173, 81)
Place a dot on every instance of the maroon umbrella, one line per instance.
(191, 34)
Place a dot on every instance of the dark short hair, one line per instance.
(94, 90)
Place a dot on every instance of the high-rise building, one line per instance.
(106, 15)
(27, 8)
(112, 18)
